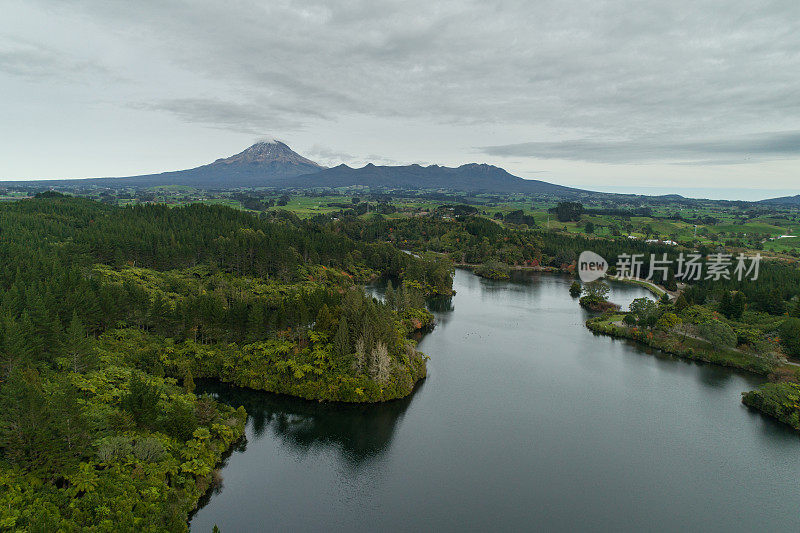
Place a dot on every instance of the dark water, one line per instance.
(526, 422)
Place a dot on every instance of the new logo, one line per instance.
(591, 266)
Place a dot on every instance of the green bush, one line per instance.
(718, 334)
(142, 400)
(493, 270)
(778, 400)
(149, 449)
(575, 289)
(790, 336)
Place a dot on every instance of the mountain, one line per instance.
(261, 165)
(472, 177)
(274, 164)
(784, 200)
(257, 166)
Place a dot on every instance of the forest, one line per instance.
(108, 314)
(475, 240)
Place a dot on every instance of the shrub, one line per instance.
(113, 448)
(575, 289)
(718, 333)
(141, 401)
(790, 336)
(643, 309)
(149, 449)
(179, 421)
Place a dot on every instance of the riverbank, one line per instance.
(680, 346)
(654, 289)
(148, 479)
(529, 268)
(778, 399)
(502, 271)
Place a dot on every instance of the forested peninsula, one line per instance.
(109, 313)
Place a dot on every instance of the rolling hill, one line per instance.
(784, 200)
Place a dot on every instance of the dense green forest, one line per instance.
(108, 314)
(471, 239)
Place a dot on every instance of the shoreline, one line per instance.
(690, 348)
(774, 399)
(473, 266)
(654, 289)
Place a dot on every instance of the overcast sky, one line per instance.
(598, 94)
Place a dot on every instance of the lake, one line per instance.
(526, 421)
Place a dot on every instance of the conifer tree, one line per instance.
(188, 380)
(390, 297)
(258, 321)
(725, 304)
(681, 303)
(77, 345)
(325, 320)
(341, 341)
(737, 305)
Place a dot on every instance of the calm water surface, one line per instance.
(526, 421)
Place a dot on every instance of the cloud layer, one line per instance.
(707, 81)
(730, 150)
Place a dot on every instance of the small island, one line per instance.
(493, 270)
(595, 296)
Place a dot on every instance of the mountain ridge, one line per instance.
(273, 164)
(470, 177)
(783, 200)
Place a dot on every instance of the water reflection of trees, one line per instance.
(440, 304)
(359, 432)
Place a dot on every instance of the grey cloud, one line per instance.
(615, 68)
(330, 157)
(29, 60)
(241, 117)
(659, 73)
(738, 149)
